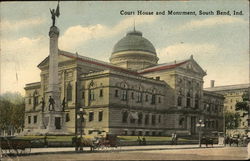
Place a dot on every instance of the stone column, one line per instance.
(53, 86)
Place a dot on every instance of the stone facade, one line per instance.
(139, 98)
(233, 94)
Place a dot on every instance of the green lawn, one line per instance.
(122, 138)
(149, 138)
(49, 138)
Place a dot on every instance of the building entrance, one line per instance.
(58, 122)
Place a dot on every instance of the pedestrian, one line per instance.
(144, 141)
(45, 141)
(139, 140)
(173, 138)
(176, 138)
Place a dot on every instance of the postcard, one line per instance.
(127, 80)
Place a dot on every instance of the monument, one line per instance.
(53, 115)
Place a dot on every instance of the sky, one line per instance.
(219, 43)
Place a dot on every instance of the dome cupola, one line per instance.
(134, 52)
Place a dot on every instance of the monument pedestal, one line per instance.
(53, 122)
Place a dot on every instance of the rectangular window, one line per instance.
(139, 97)
(67, 117)
(35, 100)
(83, 95)
(116, 93)
(35, 119)
(179, 101)
(124, 95)
(153, 119)
(29, 119)
(101, 93)
(29, 101)
(159, 119)
(100, 115)
(146, 99)
(157, 78)
(91, 116)
(188, 102)
(153, 99)
(132, 95)
(159, 99)
(146, 119)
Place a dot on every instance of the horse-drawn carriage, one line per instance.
(10, 145)
(207, 140)
(110, 141)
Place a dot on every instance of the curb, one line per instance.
(114, 150)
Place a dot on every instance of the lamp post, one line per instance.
(80, 115)
(200, 124)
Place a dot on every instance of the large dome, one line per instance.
(134, 41)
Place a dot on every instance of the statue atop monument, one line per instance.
(54, 14)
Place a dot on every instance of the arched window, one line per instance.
(125, 117)
(124, 92)
(179, 98)
(69, 92)
(91, 94)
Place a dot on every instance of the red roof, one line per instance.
(158, 68)
(101, 64)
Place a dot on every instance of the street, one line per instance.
(141, 153)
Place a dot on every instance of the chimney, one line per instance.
(212, 83)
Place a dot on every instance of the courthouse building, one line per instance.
(130, 95)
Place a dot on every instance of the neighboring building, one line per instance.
(132, 95)
(233, 94)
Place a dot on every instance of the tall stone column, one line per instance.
(53, 118)
(53, 86)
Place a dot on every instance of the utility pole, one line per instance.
(76, 125)
(76, 107)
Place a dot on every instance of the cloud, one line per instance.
(19, 59)
(210, 22)
(77, 35)
(17, 25)
(178, 51)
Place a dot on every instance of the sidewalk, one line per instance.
(123, 148)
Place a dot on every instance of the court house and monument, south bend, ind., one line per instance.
(130, 95)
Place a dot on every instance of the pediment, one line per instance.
(193, 66)
(61, 58)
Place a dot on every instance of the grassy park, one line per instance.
(122, 138)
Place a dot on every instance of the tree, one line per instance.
(11, 112)
(232, 120)
(243, 105)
